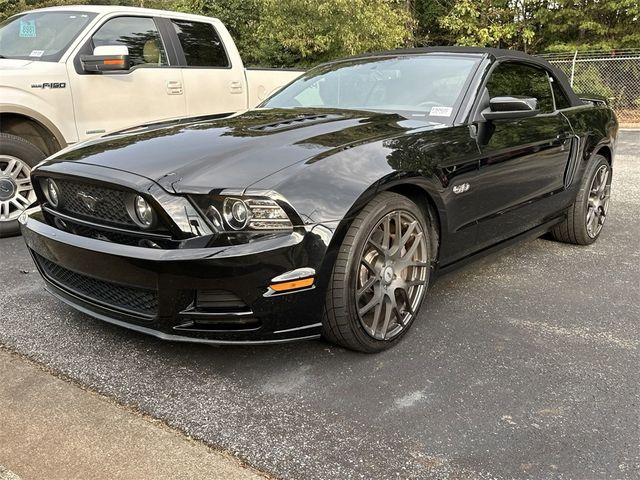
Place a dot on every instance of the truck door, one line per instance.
(213, 73)
(151, 90)
(523, 162)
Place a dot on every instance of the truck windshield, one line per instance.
(414, 86)
(43, 36)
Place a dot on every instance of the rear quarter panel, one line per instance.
(597, 130)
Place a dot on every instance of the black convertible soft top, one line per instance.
(495, 54)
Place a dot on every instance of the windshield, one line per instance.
(411, 85)
(43, 36)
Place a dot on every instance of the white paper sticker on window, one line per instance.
(36, 53)
(441, 111)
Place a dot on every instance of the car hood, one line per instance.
(237, 151)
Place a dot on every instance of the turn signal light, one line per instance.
(294, 285)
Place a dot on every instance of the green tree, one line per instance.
(428, 28)
(588, 24)
(305, 32)
(491, 23)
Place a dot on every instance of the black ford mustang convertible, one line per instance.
(328, 209)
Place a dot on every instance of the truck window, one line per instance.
(201, 44)
(139, 35)
(518, 80)
(41, 36)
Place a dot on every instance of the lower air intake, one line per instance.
(121, 297)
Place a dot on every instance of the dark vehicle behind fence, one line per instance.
(331, 207)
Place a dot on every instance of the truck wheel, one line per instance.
(17, 158)
(588, 213)
(380, 276)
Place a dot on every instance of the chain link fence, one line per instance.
(614, 75)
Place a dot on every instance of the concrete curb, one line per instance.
(51, 428)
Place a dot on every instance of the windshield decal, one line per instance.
(440, 111)
(28, 29)
(36, 53)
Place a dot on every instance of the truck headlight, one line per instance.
(244, 213)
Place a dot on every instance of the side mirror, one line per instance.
(108, 58)
(511, 108)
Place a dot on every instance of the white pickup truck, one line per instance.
(71, 73)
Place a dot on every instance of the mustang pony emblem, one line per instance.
(88, 201)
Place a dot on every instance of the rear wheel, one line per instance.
(17, 158)
(380, 276)
(586, 217)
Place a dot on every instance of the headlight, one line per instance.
(52, 192)
(236, 213)
(244, 214)
(143, 211)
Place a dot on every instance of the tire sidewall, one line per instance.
(369, 222)
(582, 199)
(29, 154)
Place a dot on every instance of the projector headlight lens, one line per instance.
(235, 213)
(143, 210)
(52, 192)
(245, 214)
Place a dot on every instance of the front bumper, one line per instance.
(158, 291)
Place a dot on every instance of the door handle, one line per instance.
(174, 88)
(235, 87)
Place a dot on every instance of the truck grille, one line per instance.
(118, 296)
(94, 202)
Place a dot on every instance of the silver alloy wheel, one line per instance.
(598, 201)
(16, 191)
(392, 275)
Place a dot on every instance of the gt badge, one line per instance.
(463, 187)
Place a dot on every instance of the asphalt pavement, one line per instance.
(523, 365)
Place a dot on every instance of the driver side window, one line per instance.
(519, 80)
(139, 35)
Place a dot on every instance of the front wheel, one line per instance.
(380, 276)
(588, 213)
(17, 158)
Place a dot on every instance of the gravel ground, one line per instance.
(524, 365)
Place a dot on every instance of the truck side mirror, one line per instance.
(511, 108)
(107, 58)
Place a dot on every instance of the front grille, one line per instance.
(94, 202)
(106, 235)
(114, 295)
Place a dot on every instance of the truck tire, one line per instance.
(17, 158)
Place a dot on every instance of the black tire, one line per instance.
(341, 322)
(26, 152)
(574, 228)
